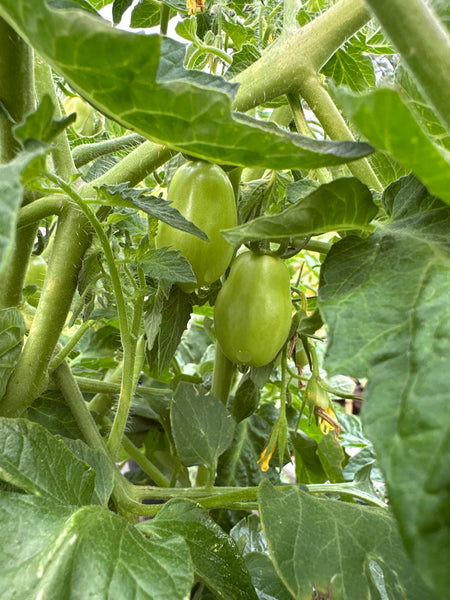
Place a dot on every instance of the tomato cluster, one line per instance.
(253, 309)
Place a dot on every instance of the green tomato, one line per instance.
(253, 310)
(84, 124)
(204, 195)
(37, 268)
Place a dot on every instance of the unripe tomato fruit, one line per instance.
(253, 311)
(84, 124)
(204, 195)
(37, 268)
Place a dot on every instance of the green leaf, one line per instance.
(53, 552)
(216, 559)
(246, 56)
(187, 29)
(332, 457)
(11, 194)
(40, 125)
(161, 263)
(239, 464)
(201, 425)
(238, 33)
(122, 195)
(38, 463)
(98, 461)
(98, 4)
(315, 544)
(349, 66)
(389, 125)
(385, 300)
(139, 81)
(119, 7)
(248, 535)
(145, 14)
(344, 204)
(246, 399)
(421, 109)
(60, 4)
(265, 578)
(308, 467)
(12, 331)
(170, 317)
(51, 411)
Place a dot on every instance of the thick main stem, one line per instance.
(16, 86)
(291, 66)
(294, 56)
(321, 103)
(133, 168)
(29, 378)
(424, 44)
(17, 96)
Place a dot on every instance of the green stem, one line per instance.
(164, 12)
(102, 402)
(287, 62)
(62, 157)
(323, 175)
(321, 103)
(345, 489)
(17, 96)
(139, 359)
(145, 464)
(84, 153)
(41, 209)
(74, 399)
(16, 85)
(133, 359)
(93, 386)
(13, 278)
(222, 375)
(194, 56)
(29, 378)
(315, 362)
(87, 384)
(125, 399)
(67, 349)
(424, 43)
(217, 52)
(128, 340)
(212, 497)
(313, 245)
(133, 168)
(109, 256)
(291, 9)
(281, 116)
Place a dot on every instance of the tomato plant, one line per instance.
(204, 195)
(252, 315)
(159, 393)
